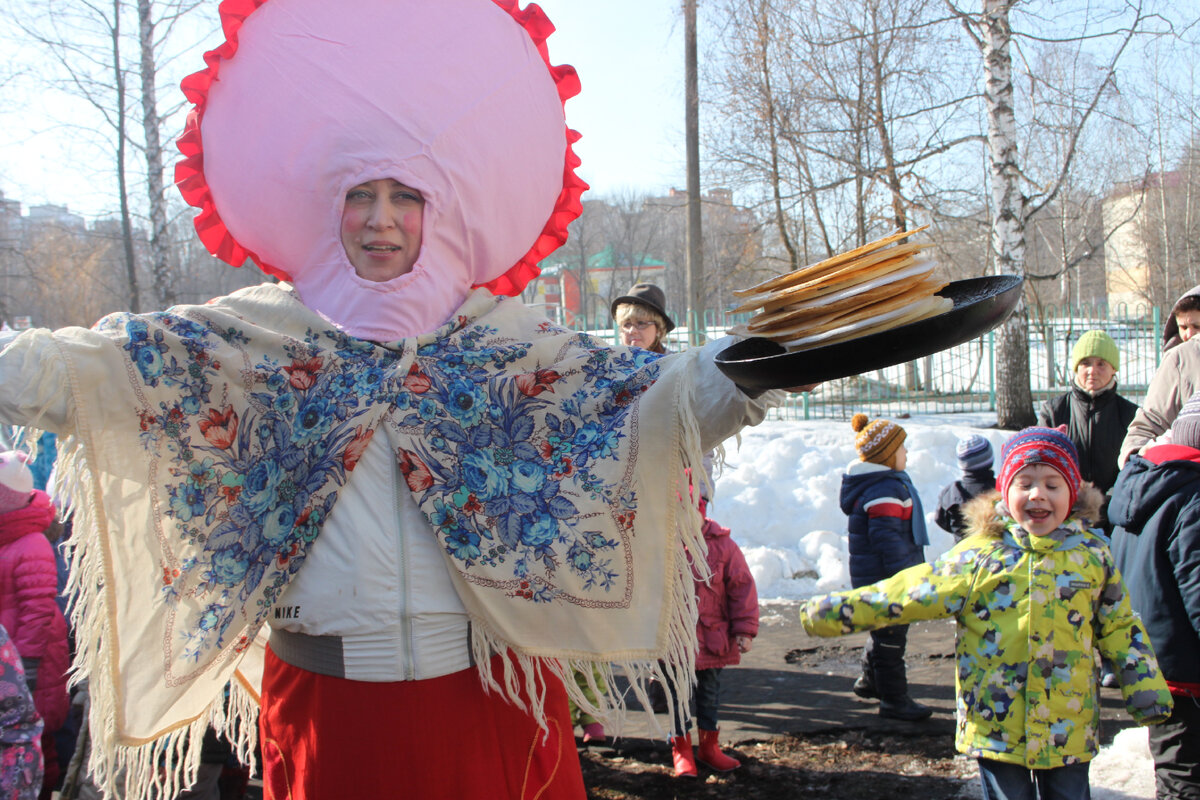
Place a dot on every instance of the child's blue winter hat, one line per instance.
(974, 453)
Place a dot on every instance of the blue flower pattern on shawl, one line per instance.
(249, 486)
(497, 457)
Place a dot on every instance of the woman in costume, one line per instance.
(434, 504)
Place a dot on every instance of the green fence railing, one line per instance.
(963, 378)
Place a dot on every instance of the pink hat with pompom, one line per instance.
(16, 481)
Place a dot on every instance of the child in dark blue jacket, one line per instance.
(975, 459)
(887, 534)
(1155, 508)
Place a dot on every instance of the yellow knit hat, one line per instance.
(876, 441)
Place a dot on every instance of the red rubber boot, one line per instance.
(683, 757)
(711, 755)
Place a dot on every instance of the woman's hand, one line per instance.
(744, 643)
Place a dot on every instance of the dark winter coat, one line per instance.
(886, 522)
(727, 603)
(1156, 506)
(954, 496)
(1096, 425)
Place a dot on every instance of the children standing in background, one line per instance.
(975, 459)
(20, 729)
(886, 535)
(725, 628)
(1156, 510)
(1036, 593)
(28, 588)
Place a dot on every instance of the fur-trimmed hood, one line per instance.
(983, 518)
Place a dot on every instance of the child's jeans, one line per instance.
(1004, 781)
(705, 701)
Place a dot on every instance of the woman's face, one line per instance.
(641, 333)
(1093, 373)
(381, 228)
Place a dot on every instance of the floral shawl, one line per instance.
(209, 445)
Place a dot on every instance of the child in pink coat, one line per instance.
(726, 627)
(28, 587)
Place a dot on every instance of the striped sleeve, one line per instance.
(889, 507)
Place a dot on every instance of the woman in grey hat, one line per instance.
(641, 317)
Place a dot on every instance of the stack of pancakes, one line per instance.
(873, 288)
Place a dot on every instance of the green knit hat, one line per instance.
(1096, 343)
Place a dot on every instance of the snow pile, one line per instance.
(778, 492)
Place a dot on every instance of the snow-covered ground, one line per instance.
(778, 492)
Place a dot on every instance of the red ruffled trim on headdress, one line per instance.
(189, 172)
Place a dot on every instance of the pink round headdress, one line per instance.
(456, 98)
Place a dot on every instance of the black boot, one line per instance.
(905, 708)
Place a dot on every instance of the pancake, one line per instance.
(833, 262)
(872, 288)
(893, 302)
(927, 307)
(863, 294)
(875, 263)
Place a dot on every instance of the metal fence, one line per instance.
(963, 378)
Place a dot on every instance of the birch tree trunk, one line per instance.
(1014, 399)
(159, 244)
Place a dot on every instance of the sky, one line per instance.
(628, 53)
(778, 495)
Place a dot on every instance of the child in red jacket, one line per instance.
(726, 627)
(28, 587)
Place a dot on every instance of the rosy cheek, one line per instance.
(411, 223)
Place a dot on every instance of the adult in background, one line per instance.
(1175, 380)
(1095, 416)
(1184, 320)
(642, 321)
(641, 317)
(1156, 510)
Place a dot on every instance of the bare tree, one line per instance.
(1016, 199)
(86, 43)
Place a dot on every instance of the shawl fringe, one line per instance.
(521, 684)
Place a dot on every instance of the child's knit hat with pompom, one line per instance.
(1035, 445)
(876, 441)
(16, 481)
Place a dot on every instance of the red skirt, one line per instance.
(325, 738)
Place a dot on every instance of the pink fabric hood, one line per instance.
(308, 98)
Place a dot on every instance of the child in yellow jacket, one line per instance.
(1036, 594)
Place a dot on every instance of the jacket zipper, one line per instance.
(406, 632)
